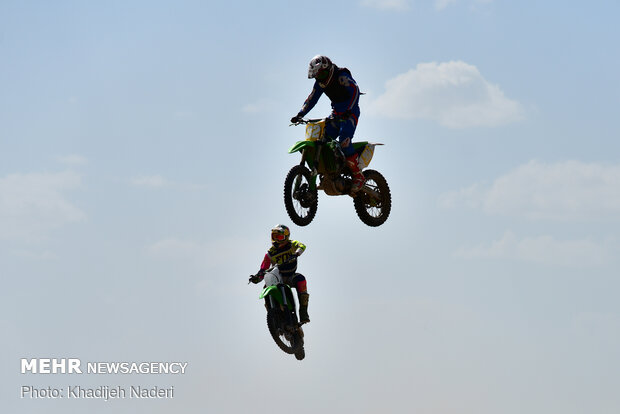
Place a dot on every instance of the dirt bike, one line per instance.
(323, 158)
(282, 320)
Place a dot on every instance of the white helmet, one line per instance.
(321, 68)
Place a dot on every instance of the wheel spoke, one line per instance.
(373, 205)
(299, 199)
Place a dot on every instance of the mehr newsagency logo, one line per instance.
(75, 366)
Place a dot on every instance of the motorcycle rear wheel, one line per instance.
(300, 201)
(289, 342)
(371, 210)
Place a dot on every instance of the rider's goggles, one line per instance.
(278, 236)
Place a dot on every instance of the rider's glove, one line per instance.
(256, 278)
(296, 119)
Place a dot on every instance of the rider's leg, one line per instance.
(332, 129)
(346, 134)
(344, 129)
(299, 281)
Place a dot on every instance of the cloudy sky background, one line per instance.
(143, 154)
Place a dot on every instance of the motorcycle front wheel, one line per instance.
(288, 341)
(300, 200)
(373, 206)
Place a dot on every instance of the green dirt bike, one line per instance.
(282, 320)
(323, 158)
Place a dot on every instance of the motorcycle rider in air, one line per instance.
(340, 87)
(284, 253)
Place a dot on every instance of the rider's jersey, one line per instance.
(280, 255)
(341, 89)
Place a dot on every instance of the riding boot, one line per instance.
(303, 307)
(356, 173)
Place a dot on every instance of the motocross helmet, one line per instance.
(321, 68)
(280, 234)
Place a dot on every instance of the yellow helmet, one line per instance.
(280, 234)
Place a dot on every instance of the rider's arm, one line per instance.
(299, 247)
(266, 262)
(312, 99)
(354, 94)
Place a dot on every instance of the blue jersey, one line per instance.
(341, 89)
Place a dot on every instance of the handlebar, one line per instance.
(308, 121)
(293, 257)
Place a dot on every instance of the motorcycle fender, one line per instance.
(300, 145)
(271, 290)
(365, 150)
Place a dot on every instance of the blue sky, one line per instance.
(143, 154)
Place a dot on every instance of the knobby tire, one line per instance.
(277, 333)
(300, 201)
(373, 212)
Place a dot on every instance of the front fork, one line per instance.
(317, 158)
(314, 173)
(285, 306)
(273, 303)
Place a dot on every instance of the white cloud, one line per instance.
(544, 249)
(73, 160)
(598, 326)
(150, 181)
(212, 252)
(184, 115)
(562, 191)
(202, 255)
(262, 105)
(442, 4)
(34, 256)
(31, 205)
(177, 249)
(454, 94)
(403, 5)
(157, 181)
(388, 5)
